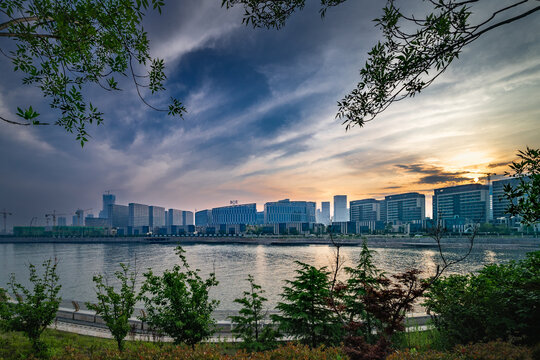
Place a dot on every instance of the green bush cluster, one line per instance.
(500, 302)
(495, 350)
(201, 352)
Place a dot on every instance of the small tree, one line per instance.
(178, 304)
(116, 308)
(34, 310)
(306, 315)
(249, 324)
(525, 197)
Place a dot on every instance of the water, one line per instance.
(270, 265)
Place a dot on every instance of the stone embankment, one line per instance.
(376, 241)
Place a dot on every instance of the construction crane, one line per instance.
(32, 220)
(53, 215)
(5, 215)
(80, 214)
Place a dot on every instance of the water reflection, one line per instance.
(270, 265)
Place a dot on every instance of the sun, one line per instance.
(475, 179)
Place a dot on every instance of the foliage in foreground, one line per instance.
(500, 302)
(35, 309)
(524, 199)
(249, 323)
(63, 46)
(495, 350)
(178, 303)
(305, 314)
(116, 308)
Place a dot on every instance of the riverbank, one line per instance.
(376, 241)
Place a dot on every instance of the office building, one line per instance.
(108, 199)
(235, 214)
(203, 218)
(139, 215)
(179, 217)
(118, 215)
(325, 212)
(62, 221)
(156, 216)
(469, 202)
(404, 207)
(365, 210)
(286, 211)
(499, 202)
(341, 214)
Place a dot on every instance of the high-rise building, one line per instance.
(179, 217)
(108, 199)
(404, 207)
(235, 214)
(325, 213)
(139, 215)
(203, 218)
(500, 203)
(156, 216)
(468, 202)
(78, 219)
(365, 210)
(286, 211)
(187, 217)
(62, 221)
(341, 213)
(118, 215)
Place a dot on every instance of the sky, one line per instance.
(261, 120)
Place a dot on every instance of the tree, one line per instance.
(34, 309)
(178, 304)
(63, 46)
(524, 199)
(416, 49)
(116, 308)
(305, 314)
(249, 324)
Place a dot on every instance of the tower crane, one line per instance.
(5, 215)
(79, 214)
(53, 215)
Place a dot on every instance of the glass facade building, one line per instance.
(203, 218)
(365, 210)
(340, 208)
(500, 203)
(118, 215)
(404, 207)
(286, 211)
(470, 202)
(108, 199)
(156, 216)
(139, 215)
(235, 214)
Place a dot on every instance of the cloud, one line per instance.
(434, 175)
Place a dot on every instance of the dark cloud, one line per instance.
(433, 174)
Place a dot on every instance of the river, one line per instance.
(270, 265)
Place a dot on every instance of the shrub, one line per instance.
(116, 308)
(495, 350)
(306, 315)
(500, 302)
(178, 304)
(34, 309)
(249, 324)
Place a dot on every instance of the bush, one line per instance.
(34, 309)
(306, 315)
(500, 302)
(495, 350)
(248, 325)
(178, 303)
(116, 308)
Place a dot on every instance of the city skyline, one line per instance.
(260, 124)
